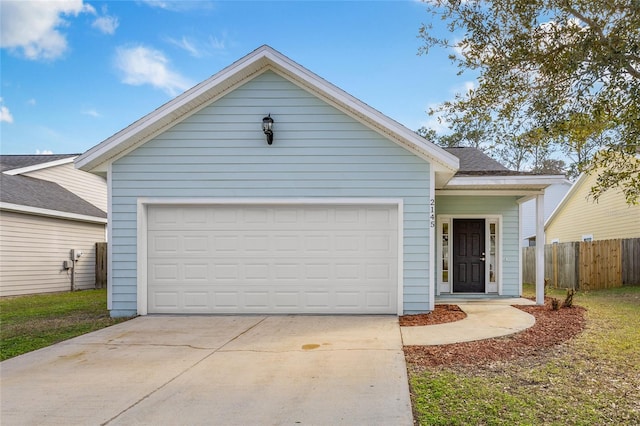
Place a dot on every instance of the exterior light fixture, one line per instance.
(267, 128)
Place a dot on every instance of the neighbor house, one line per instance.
(579, 217)
(552, 197)
(266, 189)
(48, 209)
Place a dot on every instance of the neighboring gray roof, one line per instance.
(475, 162)
(27, 191)
(11, 162)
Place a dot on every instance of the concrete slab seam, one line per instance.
(165, 384)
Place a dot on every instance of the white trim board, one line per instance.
(41, 166)
(50, 213)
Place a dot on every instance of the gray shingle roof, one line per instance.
(475, 162)
(11, 162)
(27, 191)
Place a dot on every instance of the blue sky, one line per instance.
(75, 72)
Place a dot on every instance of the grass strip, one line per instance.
(32, 322)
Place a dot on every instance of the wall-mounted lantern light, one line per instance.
(267, 128)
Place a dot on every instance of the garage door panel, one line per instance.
(169, 243)
(254, 299)
(279, 259)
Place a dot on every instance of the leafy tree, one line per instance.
(550, 166)
(566, 71)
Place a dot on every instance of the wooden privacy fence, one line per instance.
(101, 265)
(586, 265)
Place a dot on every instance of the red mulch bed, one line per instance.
(552, 328)
(440, 315)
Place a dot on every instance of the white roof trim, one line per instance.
(262, 59)
(518, 181)
(51, 213)
(40, 166)
(527, 192)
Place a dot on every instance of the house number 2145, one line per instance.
(432, 213)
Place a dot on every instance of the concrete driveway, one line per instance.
(227, 370)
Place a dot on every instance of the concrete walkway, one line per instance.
(486, 318)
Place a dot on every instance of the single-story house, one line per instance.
(266, 189)
(579, 217)
(51, 216)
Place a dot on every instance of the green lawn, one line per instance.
(592, 380)
(28, 323)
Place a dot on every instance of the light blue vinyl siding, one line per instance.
(318, 151)
(508, 208)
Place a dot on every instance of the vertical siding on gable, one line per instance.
(609, 218)
(492, 205)
(221, 152)
(32, 249)
(85, 185)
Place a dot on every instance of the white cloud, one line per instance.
(91, 112)
(179, 5)
(44, 152)
(435, 121)
(106, 24)
(5, 114)
(142, 65)
(186, 44)
(216, 43)
(464, 88)
(199, 49)
(33, 27)
(31, 102)
(459, 47)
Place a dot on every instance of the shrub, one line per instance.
(568, 300)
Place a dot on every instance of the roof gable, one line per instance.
(256, 63)
(44, 195)
(17, 164)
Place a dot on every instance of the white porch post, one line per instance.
(540, 249)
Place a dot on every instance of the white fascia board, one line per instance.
(230, 77)
(51, 213)
(527, 181)
(528, 192)
(40, 166)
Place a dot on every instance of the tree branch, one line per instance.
(603, 37)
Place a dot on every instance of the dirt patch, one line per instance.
(550, 329)
(440, 315)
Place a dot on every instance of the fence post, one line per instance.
(101, 265)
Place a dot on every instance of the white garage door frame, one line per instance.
(144, 203)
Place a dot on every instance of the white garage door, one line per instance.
(272, 259)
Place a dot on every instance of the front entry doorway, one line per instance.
(469, 255)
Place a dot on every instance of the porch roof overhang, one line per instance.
(521, 185)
